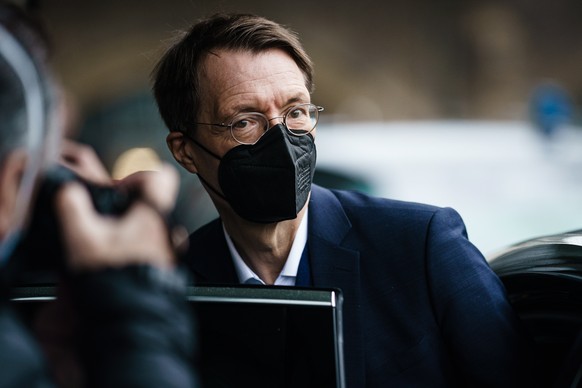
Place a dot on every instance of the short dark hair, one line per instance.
(176, 76)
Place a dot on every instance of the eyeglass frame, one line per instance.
(268, 120)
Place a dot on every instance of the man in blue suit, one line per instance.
(421, 305)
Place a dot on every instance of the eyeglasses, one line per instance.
(248, 128)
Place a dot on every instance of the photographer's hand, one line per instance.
(140, 236)
(83, 160)
(125, 294)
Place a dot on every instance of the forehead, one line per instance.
(234, 81)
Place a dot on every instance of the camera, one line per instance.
(39, 255)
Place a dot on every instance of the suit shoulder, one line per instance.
(359, 202)
(365, 211)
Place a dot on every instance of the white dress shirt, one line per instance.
(288, 274)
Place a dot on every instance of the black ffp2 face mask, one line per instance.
(268, 181)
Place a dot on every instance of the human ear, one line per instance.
(179, 146)
(11, 171)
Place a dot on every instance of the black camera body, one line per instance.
(39, 255)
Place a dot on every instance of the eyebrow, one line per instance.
(297, 99)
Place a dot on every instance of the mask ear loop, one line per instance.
(23, 66)
(204, 181)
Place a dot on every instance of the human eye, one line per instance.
(298, 112)
(248, 128)
(299, 118)
(245, 123)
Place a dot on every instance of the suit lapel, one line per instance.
(209, 256)
(332, 264)
(335, 266)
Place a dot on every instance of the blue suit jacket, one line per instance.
(422, 308)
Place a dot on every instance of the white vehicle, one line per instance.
(507, 180)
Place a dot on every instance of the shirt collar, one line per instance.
(288, 274)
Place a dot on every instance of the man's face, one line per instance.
(232, 82)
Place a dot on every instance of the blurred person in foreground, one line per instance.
(422, 308)
(135, 327)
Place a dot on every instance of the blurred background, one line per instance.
(473, 104)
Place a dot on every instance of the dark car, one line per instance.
(543, 278)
